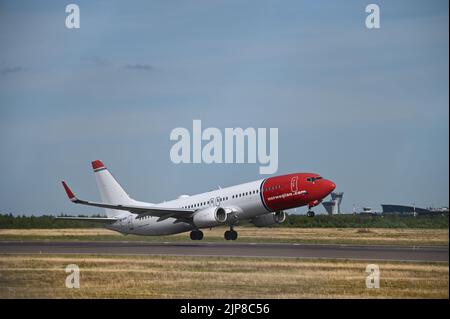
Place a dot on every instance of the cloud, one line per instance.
(96, 61)
(139, 67)
(11, 70)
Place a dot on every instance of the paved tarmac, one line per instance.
(229, 249)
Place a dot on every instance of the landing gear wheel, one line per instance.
(196, 235)
(230, 235)
(310, 213)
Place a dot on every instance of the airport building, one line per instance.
(333, 206)
(410, 210)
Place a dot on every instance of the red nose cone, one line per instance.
(330, 186)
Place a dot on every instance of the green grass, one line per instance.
(367, 221)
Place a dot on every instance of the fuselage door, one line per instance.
(294, 184)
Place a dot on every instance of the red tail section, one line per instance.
(96, 165)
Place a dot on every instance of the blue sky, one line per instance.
(365, 108)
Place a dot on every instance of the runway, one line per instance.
(228, 249)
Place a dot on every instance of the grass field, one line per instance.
(371, 236)
(32, 276)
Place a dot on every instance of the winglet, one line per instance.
(69, 193)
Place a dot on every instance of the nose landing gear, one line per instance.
(310, 213)
(312, 204)
(196, 235)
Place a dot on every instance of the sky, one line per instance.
(366, 108)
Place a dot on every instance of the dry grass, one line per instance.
(32, 276)
(58, 232)
(252, 234)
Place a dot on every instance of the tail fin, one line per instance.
(110, 190)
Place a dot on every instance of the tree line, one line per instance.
(11, 221)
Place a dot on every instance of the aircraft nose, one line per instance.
(330, 185)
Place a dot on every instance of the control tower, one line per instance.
(334, 205)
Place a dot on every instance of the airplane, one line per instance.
(261, 202)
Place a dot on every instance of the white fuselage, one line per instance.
(244, 200)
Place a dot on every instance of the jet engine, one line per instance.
(209, 217)
(269, 219)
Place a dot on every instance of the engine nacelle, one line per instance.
(209, 217)
(269, 219)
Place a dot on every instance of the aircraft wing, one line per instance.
(104, 220)
(141, 211)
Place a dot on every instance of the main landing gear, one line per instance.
(196, 235)
(230, 234)
(310, 213)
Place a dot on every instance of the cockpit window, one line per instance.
(312, 179)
